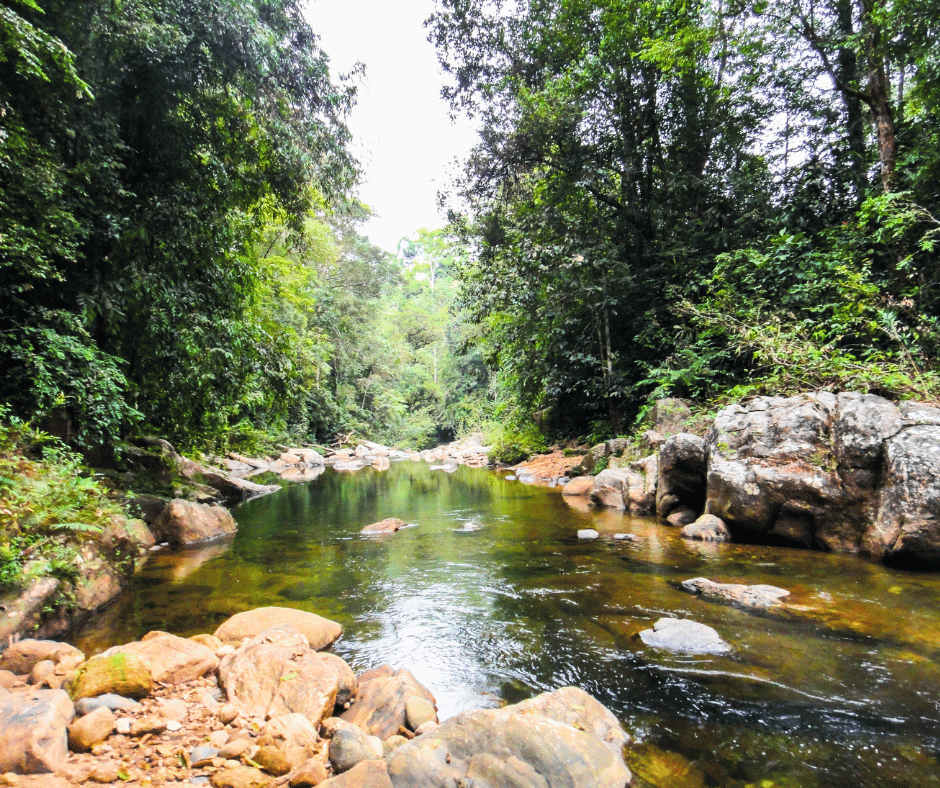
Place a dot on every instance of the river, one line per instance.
(489, 597)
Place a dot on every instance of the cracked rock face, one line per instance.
(849, 472)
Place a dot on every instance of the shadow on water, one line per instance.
(489, 597)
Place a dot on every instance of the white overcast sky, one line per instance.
(401, 128)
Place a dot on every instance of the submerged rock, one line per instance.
(387, 526)
(756, 596)
(684, 637)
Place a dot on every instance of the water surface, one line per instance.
(489, 597)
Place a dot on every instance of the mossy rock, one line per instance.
(122, 674)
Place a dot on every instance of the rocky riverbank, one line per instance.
(259, 703)
(848, 472)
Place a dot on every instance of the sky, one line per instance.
(402, 131)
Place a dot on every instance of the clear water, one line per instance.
(489, 597)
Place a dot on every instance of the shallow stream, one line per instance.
(489, 597)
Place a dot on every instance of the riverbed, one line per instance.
(489, 596)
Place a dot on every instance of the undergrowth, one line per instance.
(48, 505)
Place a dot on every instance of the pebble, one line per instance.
(228, 713)
(174, 725)
(218, 738)
(174, 710)
(123, 726)
(109, 700)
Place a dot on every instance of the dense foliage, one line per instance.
(697, 198)
(144, 145)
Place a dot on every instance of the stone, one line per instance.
(639, 491)
(588, 533)
(753, 596)
(184, 523)
(578, 486)
(22, 656)
(681, 517)
(387, 526)
(684, 637)
(241, 777)
(368, 774)
(172, 659)
(92, 729)
(41, 671)
(25, 612)
(608, 487)
(311, 773)
(682, 475)
(380, 703)
(227, 713)
(320, 632)
(148, 724)
(349, 746)
(105, 773)
(670, 416)
(277, 673)
(211, 642)
(108, 701)
(272, 760)
(291, 731)
(33, 731)
(419, 710)
(565, 738)
(120, 674)
(174, 709)
(707, 528)
(234, 748)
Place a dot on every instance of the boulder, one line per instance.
(20, 657)
(34, 731)
(277, 672)
(172, 659)
(682, 475)
(387, 526)
(320, 632)
(681, 517)
(23, 613)
(608, 488)
(129, 534)
(120, 674)
(368, 774)
(671, 416)
(847, 472)
(707, 528)
(382, 699)
(906, 526)
(684, 637)
(639, 488)
(755, 596)
(184, 523)
(292, 734)
(578, 486)
(560, 739)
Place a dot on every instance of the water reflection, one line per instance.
(490, 597)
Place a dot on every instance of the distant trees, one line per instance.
(641, 162)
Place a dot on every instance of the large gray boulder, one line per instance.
(849, 472)
(563, 739)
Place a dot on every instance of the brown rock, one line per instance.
(386, 526)
(578, 486)
(91, 729)
(20, 657)
(241, 777)
(145, 725)
(105, 773)
(121, 674)
(608, 488)
(311, 773)
(707, 528)
(272, 760)
(681, 517)
(211, 642)
(754, 596)
(235, 748)
(184, 523)
(41, 671)
(277, 673)
(33, 731)
(172, 659)
(368, 774)
(380, 703)
(320, 632)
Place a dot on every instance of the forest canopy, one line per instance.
(704, 199)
